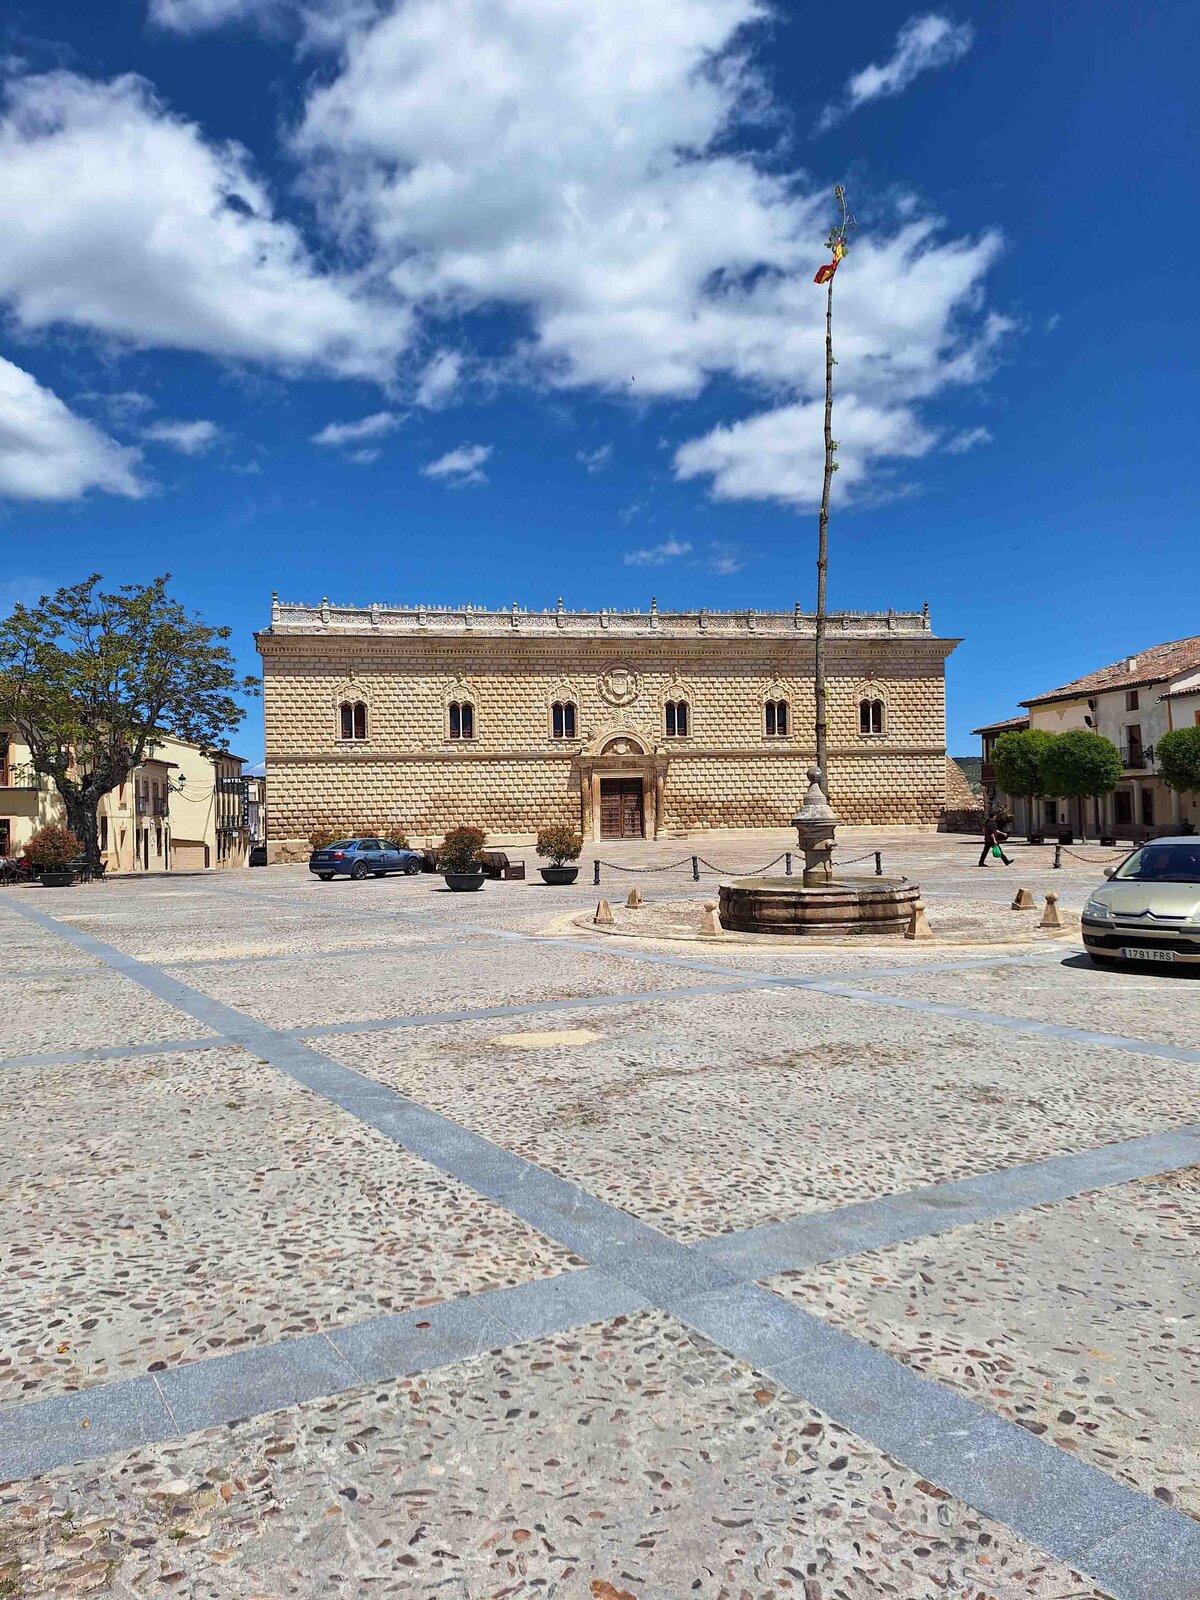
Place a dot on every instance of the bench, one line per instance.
(497, 865)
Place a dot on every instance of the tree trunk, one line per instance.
(81, 819)
(822, 715)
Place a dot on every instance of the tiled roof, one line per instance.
(1150, 666)
(1001, 727)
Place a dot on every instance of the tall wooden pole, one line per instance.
(837, 243)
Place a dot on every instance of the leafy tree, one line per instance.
(1178, 755)
(1081, 763)
(91, 680)
(1017, 761)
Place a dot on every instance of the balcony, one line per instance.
(1136, 757)
(987, 773)
(19, 778)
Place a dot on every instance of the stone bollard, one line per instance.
(604, 913)
(710, 922)
(918, 923)
(1024, 901)
(635, 899)
(1052, 917)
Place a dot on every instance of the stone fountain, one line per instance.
(819, 903)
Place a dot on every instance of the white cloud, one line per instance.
(595, 460)
(464, 465)
(526, 156)
(158, 238)
(960, 443)
(659, 554)
(198, 16)
(780, 454)
(189, 438)
(364, 458)
(372, 427)
(722, 559)
(922, 44)
(47, 452)
(440, 379)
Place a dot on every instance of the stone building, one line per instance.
(625, 724)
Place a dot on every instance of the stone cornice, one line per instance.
(566, 649)
(449, 622)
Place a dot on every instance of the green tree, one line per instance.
(1178, 754)
(89, 678)
(1080, 764)
(1017, 761)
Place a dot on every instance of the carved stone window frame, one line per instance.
(460, 693)
(352, 694)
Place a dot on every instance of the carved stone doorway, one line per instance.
(622, 815)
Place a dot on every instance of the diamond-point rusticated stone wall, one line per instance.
(408, 666)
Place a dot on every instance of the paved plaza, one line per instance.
(368, 1239)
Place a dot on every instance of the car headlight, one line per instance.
(1194, 919)
(1098, 910)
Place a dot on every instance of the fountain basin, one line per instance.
(848, 905)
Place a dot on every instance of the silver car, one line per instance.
(1149, 910)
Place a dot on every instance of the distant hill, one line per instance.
(972, 767)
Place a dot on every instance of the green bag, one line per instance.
(997, 852)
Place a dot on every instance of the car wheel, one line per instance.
(411, 868)
(325, 877)
(359, 870)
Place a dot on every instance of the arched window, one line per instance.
(870, 716)
(462, 719)
(562, 719)
(677, 719)
(353, 716)
(776, 719)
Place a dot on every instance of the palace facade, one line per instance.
(626, 724)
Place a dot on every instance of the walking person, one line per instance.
(993, 841)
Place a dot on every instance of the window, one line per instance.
(462, 719)
(677, 719)
(1133, 745)
(354, 719)
(870, 716)
(563, 719)
(1131, 700)
(104, 833)
(777, 719)
(1122, 806)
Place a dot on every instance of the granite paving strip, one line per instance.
(995, 1019)
(1071, 1510)
(112, 1052)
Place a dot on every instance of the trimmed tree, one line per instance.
(1017, 761)
(1178, 754)
(91, 679)
(1080, 765)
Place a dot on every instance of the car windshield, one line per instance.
(1161, 863)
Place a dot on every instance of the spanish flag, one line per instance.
(827, 271)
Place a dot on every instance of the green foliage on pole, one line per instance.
(1178, 755)
(1017, 761)
(1080, 763)
(91, 679)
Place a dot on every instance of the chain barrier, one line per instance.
(1061, 850)
(697, 862)
(747, 872)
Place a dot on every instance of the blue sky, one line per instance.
(496, 300)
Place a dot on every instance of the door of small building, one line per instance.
(621, 808)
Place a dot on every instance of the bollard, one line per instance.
(1058, 855)
(1024, 901)
(710, 922)
(1052, 916)
(918, 925)
(595, 873)
(634, 899)
(879, 863)
(695, 869)
(604, 913)
(787, 862)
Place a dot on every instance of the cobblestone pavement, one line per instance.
(365, 1239)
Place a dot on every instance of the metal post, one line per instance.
(787, 862)
(595, 872)
(695, 869)
(879, 863)
(1058, 855)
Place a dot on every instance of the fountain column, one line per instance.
(815, 827)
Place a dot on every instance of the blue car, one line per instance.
(361, 858)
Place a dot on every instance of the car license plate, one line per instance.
(1137, 952)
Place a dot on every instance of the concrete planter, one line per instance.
(559, 875)
(56, 880)
(460, 881)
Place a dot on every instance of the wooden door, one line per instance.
(621, 808)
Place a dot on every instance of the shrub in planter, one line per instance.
(322, 836)
(50, 853)
(396, 837)
(460, 858)
(559, 843)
